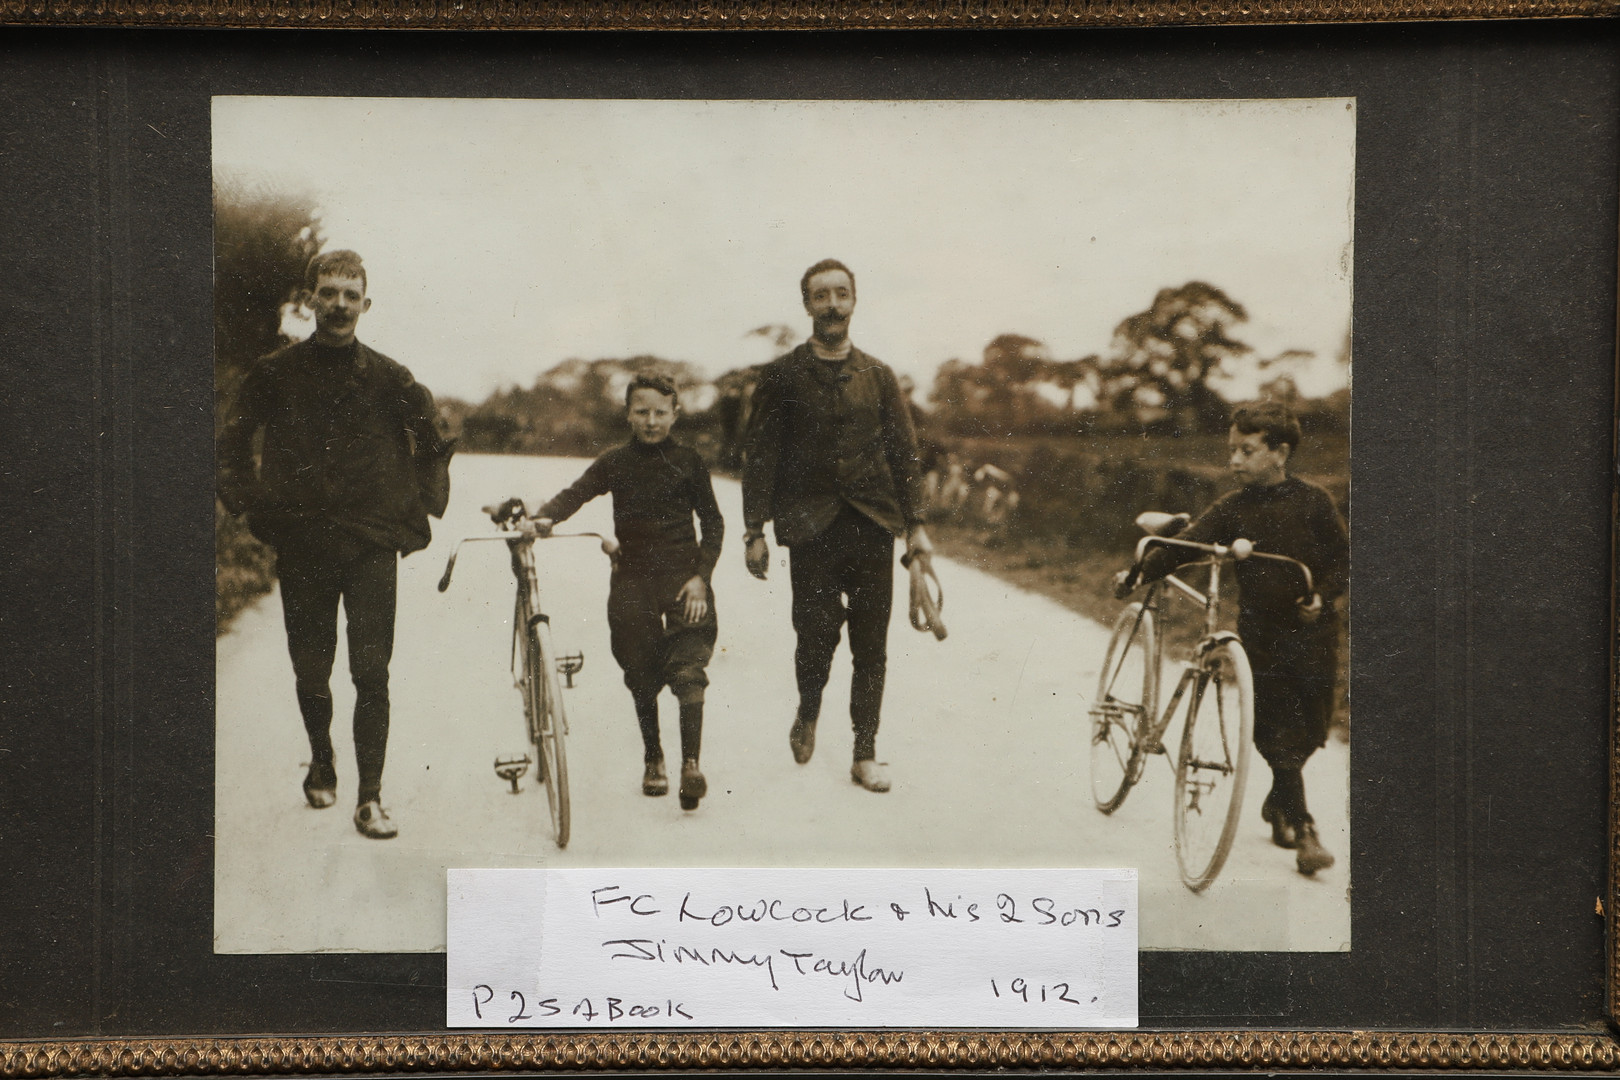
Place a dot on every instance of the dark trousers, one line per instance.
(845, 575)
(311, 586)
(651, 639)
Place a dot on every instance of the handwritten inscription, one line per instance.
(778, 947)
(1041, 910)
(613, 1008)
(857, 971)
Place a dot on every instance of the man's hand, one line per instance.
(1310, 609)
(1124, 583)
(757, 554)
(539, 526)
(917, 543)
(694, 599)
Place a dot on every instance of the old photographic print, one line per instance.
(821, 440)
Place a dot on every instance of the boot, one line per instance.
(1283, 833)
(1309, 854)
(653, 779)
(802, 739)
(693, 786)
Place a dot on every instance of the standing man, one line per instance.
(832, 459)
(336, 492)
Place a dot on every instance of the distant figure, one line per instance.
(832, 459)
(1292, 641)
(1000, 498)
(352, 465)
(661, 614)
(954, 489)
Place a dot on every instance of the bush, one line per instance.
(244, 569)
(1088, 491)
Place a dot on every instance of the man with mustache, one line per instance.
(831, 457)
(351, 466)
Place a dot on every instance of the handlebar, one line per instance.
(516, 528)
(1239, 549)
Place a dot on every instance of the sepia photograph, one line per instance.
(755, 483)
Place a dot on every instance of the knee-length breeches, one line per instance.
(1295, 680)
(652, 641)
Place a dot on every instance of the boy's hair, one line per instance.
(340, 263)
(1272, 419)
(824, 264)
(661, 383)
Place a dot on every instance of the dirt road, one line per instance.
(984, 732)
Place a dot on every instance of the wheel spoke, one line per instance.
(1213, 764)
(1123, 707)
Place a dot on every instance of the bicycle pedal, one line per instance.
(511, 769)
(569, 666)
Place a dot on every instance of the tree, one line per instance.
(263, 240)
(1164, 356)
(577, 407)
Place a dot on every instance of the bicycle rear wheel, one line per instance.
(1214, 763)
(547, 725)
(1126, 703)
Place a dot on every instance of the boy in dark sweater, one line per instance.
(660, 606)
(1292, 641)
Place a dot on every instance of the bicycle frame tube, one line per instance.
(1188, 678)
(526, 605)
(1210, 606)
(1147, 605)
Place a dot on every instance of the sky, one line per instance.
(502, 237)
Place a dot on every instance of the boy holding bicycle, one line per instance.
(660, 606)
(1292, 641)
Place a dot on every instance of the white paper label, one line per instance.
(759, 948)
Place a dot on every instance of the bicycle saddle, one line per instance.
(1158, 523)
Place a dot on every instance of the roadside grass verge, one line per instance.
(244, 569)
(1074, 528)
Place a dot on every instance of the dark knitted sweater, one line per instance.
(1295, 518)
(656, 489)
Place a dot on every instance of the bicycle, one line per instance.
(545, 717)
(1214, 695)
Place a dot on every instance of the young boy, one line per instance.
(660, 606)
(1292, 641)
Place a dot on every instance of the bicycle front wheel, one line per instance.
(1126, 703)
(1214, 763)
(547, 725)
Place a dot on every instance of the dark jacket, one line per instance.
(656, 489)
(349, 446)
(824, 434)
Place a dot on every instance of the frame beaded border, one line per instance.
(769, 14)
(1354, 1050)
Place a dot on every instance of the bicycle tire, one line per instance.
(1125, 707)
(547, 725)
(1213, 767)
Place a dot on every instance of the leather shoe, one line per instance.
(654, 781)
(372, 821)
(693, 786)
(802, 738)
(1283, 833)
(320, 786)
(870, 775)
(1309, 855)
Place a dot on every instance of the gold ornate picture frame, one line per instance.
(1588, 1044)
